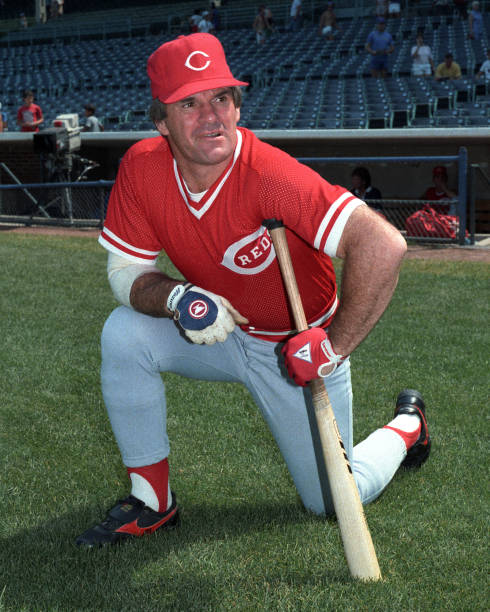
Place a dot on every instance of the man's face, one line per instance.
(439, 179)
(28, 100)
(356, 181)
(449, 61)
(201, 129)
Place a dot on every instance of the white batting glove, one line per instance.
(205, 317)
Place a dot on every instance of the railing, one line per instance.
(80, 204)
(477, 171)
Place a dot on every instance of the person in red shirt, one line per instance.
(439, 192)
(201, 191)
(29, 115)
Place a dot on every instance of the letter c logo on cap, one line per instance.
(188, 61)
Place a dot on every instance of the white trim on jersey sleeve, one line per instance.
(326, 219)
(335, 233)
(114, 244)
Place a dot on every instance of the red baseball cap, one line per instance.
(188, 65)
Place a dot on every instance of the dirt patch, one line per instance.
(52, 231)
(449, 253)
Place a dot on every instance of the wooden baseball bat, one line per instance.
(356, 538)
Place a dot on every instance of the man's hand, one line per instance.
(310, 355)
(205, 317)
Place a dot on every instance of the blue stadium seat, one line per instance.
(299, 80)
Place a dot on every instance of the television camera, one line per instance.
(57, 147)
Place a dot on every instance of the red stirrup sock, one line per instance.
(150, 484)
(408, 426)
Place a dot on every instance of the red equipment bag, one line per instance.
(428, 223)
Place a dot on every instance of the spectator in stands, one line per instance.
(194, 20)
(60, 7)
(23, 21)
(422, 62)
(382, 8)
(379, 44)
(269, 20)
(92, 123)
(3, 119)
(441, 7)
(53, 9)
(42, 16)
(296, 16)
(328, 22)
(261, 25)
(475, 21)
(485, 68)
(362, 188)
(29, 115)
(461, 7)
(394, 9)
(439, 191)
(214, 16)
(449, 69)
(206, 25)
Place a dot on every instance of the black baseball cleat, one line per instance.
(129, 518)
(410, 401)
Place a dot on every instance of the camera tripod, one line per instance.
(58, 168)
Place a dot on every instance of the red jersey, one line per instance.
(436, 196)
(29, 113)
(219, 243)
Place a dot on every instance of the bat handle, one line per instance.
(278, 235)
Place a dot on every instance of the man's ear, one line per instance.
(161, 126)
(237, 114)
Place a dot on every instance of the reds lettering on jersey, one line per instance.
(219, 243)
(250, 255)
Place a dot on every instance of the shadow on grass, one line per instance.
(179, 569)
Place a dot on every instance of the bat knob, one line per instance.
(271, 224)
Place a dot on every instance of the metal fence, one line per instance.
(84, 203)
(398, 211)
(60, 203)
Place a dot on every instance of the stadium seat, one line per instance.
(298, 79)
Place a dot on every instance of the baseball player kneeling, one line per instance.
(200, 191)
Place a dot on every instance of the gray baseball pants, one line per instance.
(137, 347)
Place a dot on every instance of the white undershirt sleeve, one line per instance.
(122, 273)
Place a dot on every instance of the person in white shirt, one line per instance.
(295, 15)
(194, 20)
(206, 25)
(422, 62)
(485, 68)
(92, 123)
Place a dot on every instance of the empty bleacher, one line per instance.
(297, 80)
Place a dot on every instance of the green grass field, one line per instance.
(244, 543)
